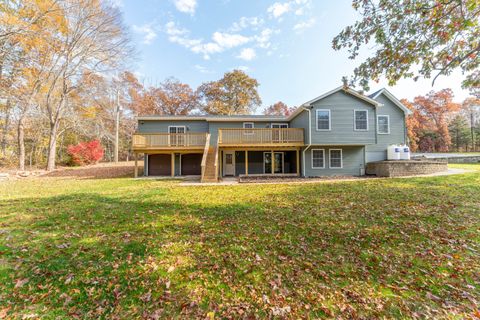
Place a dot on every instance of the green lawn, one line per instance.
(124, 248)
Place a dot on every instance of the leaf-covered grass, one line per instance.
(123, 248)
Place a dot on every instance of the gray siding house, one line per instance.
(335, 134)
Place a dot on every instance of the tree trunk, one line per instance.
(21, 144)
(5, 128)
(52, 146)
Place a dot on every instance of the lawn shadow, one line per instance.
(312, 248)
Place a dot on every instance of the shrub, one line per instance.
(84, 153)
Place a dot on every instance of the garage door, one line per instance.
(159, 165)
(191, 164)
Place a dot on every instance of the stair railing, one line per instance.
(205, 155)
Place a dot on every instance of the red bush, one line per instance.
(84, 153)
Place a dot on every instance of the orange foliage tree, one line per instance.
(278, 109)
(428, 125)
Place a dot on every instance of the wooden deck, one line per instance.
(142, 142)
(276, 137)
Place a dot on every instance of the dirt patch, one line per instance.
(105, 170)
(98, 171)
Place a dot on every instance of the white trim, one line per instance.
(329, 119)
(184, 128)
(388, 122)
(324, 160)
(273, 170)
(309, 140)
(355, 120)
(392, 98)
(233, 162)
(248, 133)
(330, 158)
(279, 124)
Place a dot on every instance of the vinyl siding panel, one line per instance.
(152, 126)
(397, 130)
(342, 106)
(301, 121)
(214, 126)
(353, 162)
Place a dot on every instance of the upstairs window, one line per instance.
(336, 161)
(323, 120)
(361, 120)
(248, 125)
(383, 124)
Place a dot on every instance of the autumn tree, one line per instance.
(235, 93)
(459, 132)
(93, 38)
(428, 125)
(471, 109)
(414, 39)
(279, 109)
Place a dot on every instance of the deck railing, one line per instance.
(168, 140)
(205, 155)
(257, 136)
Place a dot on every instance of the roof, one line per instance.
(243, 118)
(214, 118)
(392, 98)
(346, 90)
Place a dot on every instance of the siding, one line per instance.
(214, 126)
(342, 131)
(152, 126)
(397, 130)
(352, 162)
(301, 121)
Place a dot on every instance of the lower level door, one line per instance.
(278, 163)
(228, 163)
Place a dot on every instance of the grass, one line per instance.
(123, 248)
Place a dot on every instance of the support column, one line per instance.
(273, 162)
(135, 174)
(173, 165)
(298, 162)
(246, 162)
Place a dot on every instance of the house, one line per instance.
(336, 133)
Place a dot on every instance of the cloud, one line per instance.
(186, 6)
(299, 7)
(302, 26)
(147, 31)
(263, 39)
(247, 54)
(227, 40)
(279, 9)
(203, 69)
(244, 23)
(221, 41)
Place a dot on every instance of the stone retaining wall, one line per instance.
(405, 168)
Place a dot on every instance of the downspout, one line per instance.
(309, 139)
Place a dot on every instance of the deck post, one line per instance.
(173, 164)
(298, 162)
(273, 162)
(135, 172)
(246, 162)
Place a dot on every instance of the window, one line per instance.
(248, 125)
(383, 124)
(176, 135)
(361, 120)
(336, 158)
(323, 120)
(279, 125)
(318, 159)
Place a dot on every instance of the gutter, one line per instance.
(309, 138)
